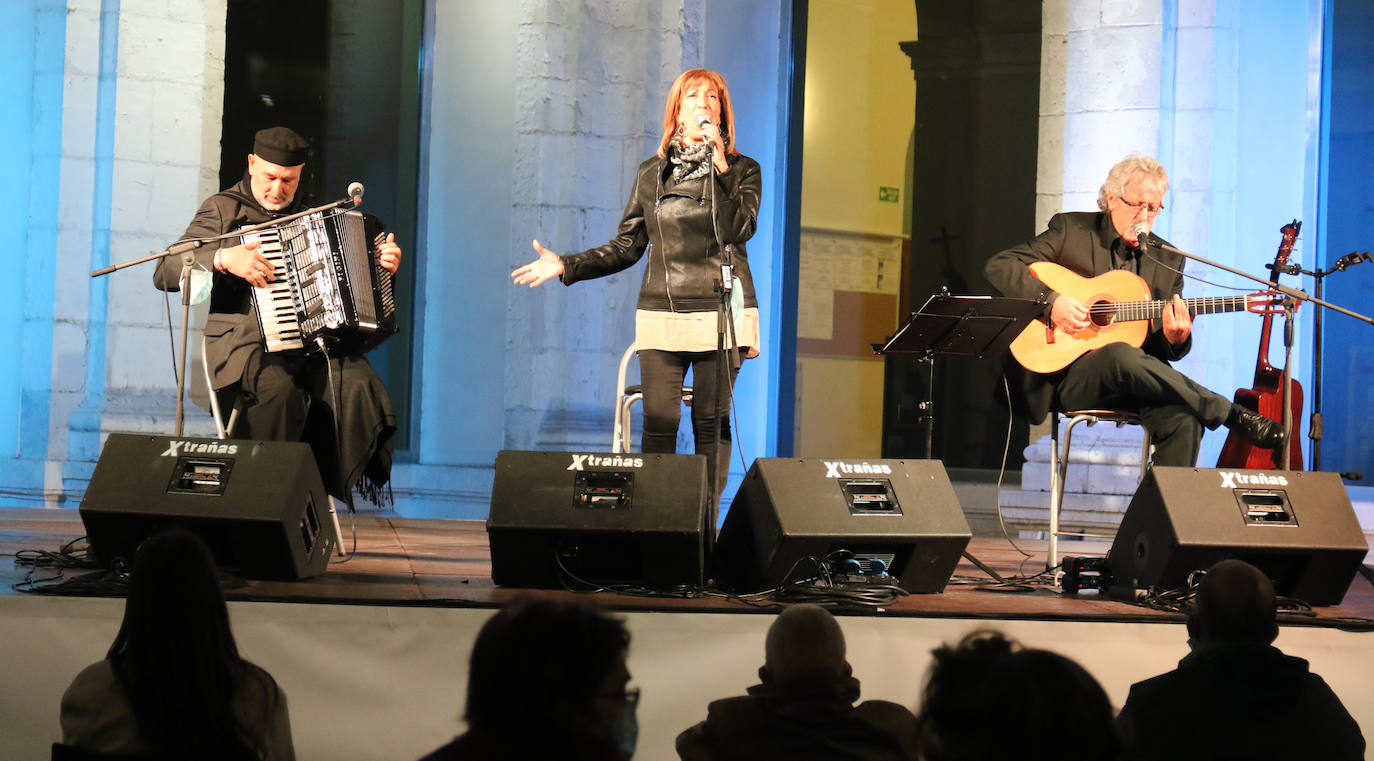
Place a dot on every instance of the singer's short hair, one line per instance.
(1125, 169)
(674, 105)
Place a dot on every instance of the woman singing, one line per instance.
(697, 169)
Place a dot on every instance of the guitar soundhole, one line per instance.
(1101, 313)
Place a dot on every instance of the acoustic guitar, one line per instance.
(1266, 395)
(1119, 309)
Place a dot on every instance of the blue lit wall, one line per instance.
(1260, 178)
(1347, 215)
(31, 131)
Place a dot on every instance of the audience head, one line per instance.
(175, 655)
(804, 644)
(556, 665)
(175, 606)
(1235, 603)
(989, 699)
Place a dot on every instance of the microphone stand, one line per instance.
(187, 251)
(726, 352)
(1315, 430)
(1293, 297)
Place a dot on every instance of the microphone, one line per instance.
(355, 191)
(703, 121)
(1142, 233)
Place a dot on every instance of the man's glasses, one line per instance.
(1137, 206)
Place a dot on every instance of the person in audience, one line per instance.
(804, 706)
(548, 680)
(989, 699)
(173, 684)
(1236, 696)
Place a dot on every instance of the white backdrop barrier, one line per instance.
(372, 683)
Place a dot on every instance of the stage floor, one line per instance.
(446, 563)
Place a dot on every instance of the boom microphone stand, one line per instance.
(1294, 297)
(1315, 426)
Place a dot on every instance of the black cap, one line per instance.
(281, 146)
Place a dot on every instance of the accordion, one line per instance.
(328, 285)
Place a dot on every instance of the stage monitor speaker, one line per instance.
(895, 515)
(1299, 528)
(602, 518)
(259, 505)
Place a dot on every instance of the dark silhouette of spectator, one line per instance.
(173, 684)
(547, 680)
(988, 699)
(804, 707)
(1236, 696)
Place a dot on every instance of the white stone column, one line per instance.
(591, 80)
(169, 107)
(142, 103)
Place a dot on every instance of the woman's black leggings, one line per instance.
(661, 374)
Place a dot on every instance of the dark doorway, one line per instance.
(977, 72)
(346, 75)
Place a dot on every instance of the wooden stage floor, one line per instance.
(447, 563)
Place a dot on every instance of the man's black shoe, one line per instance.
(1256, 428)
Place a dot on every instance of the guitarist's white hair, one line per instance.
(1127, 168)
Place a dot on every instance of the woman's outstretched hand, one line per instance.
(548, 265)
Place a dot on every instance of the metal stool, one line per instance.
(626, 396)
(222, 428)
(1059, 464)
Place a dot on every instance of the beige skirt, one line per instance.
(693, 331)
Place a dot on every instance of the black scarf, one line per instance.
(689, 162)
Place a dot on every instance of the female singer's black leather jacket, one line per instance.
(674, 224)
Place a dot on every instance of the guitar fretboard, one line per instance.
(1125, 311)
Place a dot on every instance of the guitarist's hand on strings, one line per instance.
(1177, 322)
(1069, 315)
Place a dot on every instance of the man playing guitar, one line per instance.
(1121, 375)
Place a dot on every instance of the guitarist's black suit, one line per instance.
(1172, 406)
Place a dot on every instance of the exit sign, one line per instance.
(888, 195)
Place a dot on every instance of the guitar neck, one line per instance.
(1126, 311)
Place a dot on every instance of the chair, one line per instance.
(221, 428)
(626, 396)
(1059, 465)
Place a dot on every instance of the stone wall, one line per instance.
(591, 79)
(141, 85)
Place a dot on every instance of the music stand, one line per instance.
(964, 326)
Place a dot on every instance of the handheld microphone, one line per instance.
(355, 191)
(703, 121)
